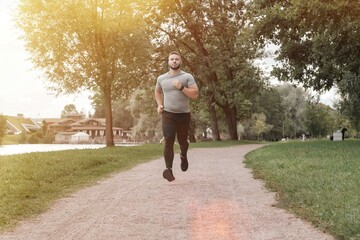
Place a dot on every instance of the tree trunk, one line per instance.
(191, 136)
(230, 114)
(213, 119)
(108, 117)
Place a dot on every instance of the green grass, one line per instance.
(212, 144)
(317, 180)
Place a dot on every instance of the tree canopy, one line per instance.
(349, 89)
(318, 40)
(217, 47)
(68, 109)
(86, 44)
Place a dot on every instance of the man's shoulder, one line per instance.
(186, 74)
(189, 77)
(163, 76)
(181, 74)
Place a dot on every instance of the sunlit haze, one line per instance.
(23, 90)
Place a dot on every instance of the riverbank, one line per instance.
(28, 148)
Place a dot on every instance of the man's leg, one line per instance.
(182, 131)
(169, 131)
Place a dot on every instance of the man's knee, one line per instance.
(169, 140)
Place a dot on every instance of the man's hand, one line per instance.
(160, 109)
(177, 84)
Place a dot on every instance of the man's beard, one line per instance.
(176, 67)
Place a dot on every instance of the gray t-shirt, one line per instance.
(175, 101)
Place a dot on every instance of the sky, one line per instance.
(23, 90)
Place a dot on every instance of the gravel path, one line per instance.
(217, 198)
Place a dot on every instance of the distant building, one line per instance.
(65, 128)
(20, 124)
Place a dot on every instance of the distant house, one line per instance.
(80, 137)
(65, 128)
(20, 124)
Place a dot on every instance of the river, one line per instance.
(27, 148)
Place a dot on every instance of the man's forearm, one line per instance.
(192, 93)
(158, 98)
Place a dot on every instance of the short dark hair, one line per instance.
(174, 52)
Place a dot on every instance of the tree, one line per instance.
(87, 44)
(320, 119)
(349, 89)
(341, 120)
(294, 103)
(122, 114)
(147, 122)
(269, 102)
(68, 109)
(2, 127)
(215, 42)
(318, 40)
(259, 127)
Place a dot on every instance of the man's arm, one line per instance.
(159, 100)
(192, 91)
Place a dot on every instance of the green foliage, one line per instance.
(33, 139)
(94, 45)
(269, 102)
(121, 115)
(294, 105)
(349, 90)
(2, 127)
(317, 180)
(260, 125)
(48, 138)
(95, 38)
(69, 108)
(318, 40)
(146, 120)
(256, 126)
(217, 47)
(23, 138)
(11, 139)
(320, 120)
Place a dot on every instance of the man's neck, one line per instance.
(174, 72)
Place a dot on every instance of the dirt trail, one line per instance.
(217, 198)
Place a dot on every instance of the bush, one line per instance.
(2, 127)
(33, 139)
(23, 138)
(48, 138)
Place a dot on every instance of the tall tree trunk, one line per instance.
(108, 118)
(230, 114)
(213, 119)
(192, 131)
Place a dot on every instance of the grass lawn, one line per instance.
(30, 182)
(11, 139)
(317, 180)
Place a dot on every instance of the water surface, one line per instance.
(27, 148)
